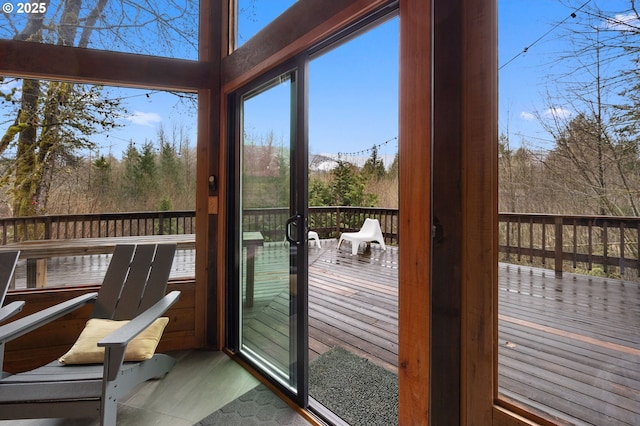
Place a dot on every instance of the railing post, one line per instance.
(558, 248)
(605, 247)
(508, 238)
(161, 224)
(47, 228)
(621, 257)
(337, 221)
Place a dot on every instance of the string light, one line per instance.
(368, 150)
(526, 48)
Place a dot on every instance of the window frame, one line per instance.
(217, 73)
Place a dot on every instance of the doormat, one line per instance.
(360, 392)
(356, 390)
(259, 406)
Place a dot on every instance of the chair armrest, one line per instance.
(31, 322)
(116, 342)
(126, 333)
(11, 309)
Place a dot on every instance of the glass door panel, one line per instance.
(268, 230)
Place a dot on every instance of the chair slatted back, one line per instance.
(8, 261)
(114, 278)
(135, 272)
(160, 271)
(133, 287)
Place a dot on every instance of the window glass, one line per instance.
(353, 164)
(166, 28)
(82, 161)
(568, 291)
(254, 15)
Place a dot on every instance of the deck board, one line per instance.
(569, 347)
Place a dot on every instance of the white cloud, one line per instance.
(527, 116)
(144, 118)
(622, 22)
(558, 112)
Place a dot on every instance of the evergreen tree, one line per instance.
(348, 187)
(148, 174)
(102, 180)
(394, 167)
(319, 193)
(374, 167)
(169, 171)
(131, 176)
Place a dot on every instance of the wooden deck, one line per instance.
(572, 344)
(353, 302)
(569, 346)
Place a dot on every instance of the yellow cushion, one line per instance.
(86, 350)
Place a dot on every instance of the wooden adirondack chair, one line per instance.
(8, 261)
(134, 289)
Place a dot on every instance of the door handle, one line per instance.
(294, 221)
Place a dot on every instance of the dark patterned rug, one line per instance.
(259, 406)
(356, 390)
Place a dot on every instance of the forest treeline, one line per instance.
(582, 174)
(157, 174)
(588, 172)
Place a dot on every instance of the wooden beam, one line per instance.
(479, 171)
(48, 61)
(210, 249)
(415, 211)
(446, 279)
(300, 27)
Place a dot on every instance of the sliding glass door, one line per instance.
(268, 313)
(271, 232)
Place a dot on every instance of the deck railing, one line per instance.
(53, 227)
(328, 222)
(603, 245)
(594, 244)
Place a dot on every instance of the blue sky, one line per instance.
(353, 95)
(522, 80)
(353, 98)
(354, 88)
(525, 78)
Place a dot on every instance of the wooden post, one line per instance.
(558, 247)
(605, 247)
(36, 273)
(415, 136)
(621, 261)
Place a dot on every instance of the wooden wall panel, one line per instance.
(479, 210)
(48, 342)
(415, 145)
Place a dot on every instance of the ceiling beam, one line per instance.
(46, 61)
(300, 27)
